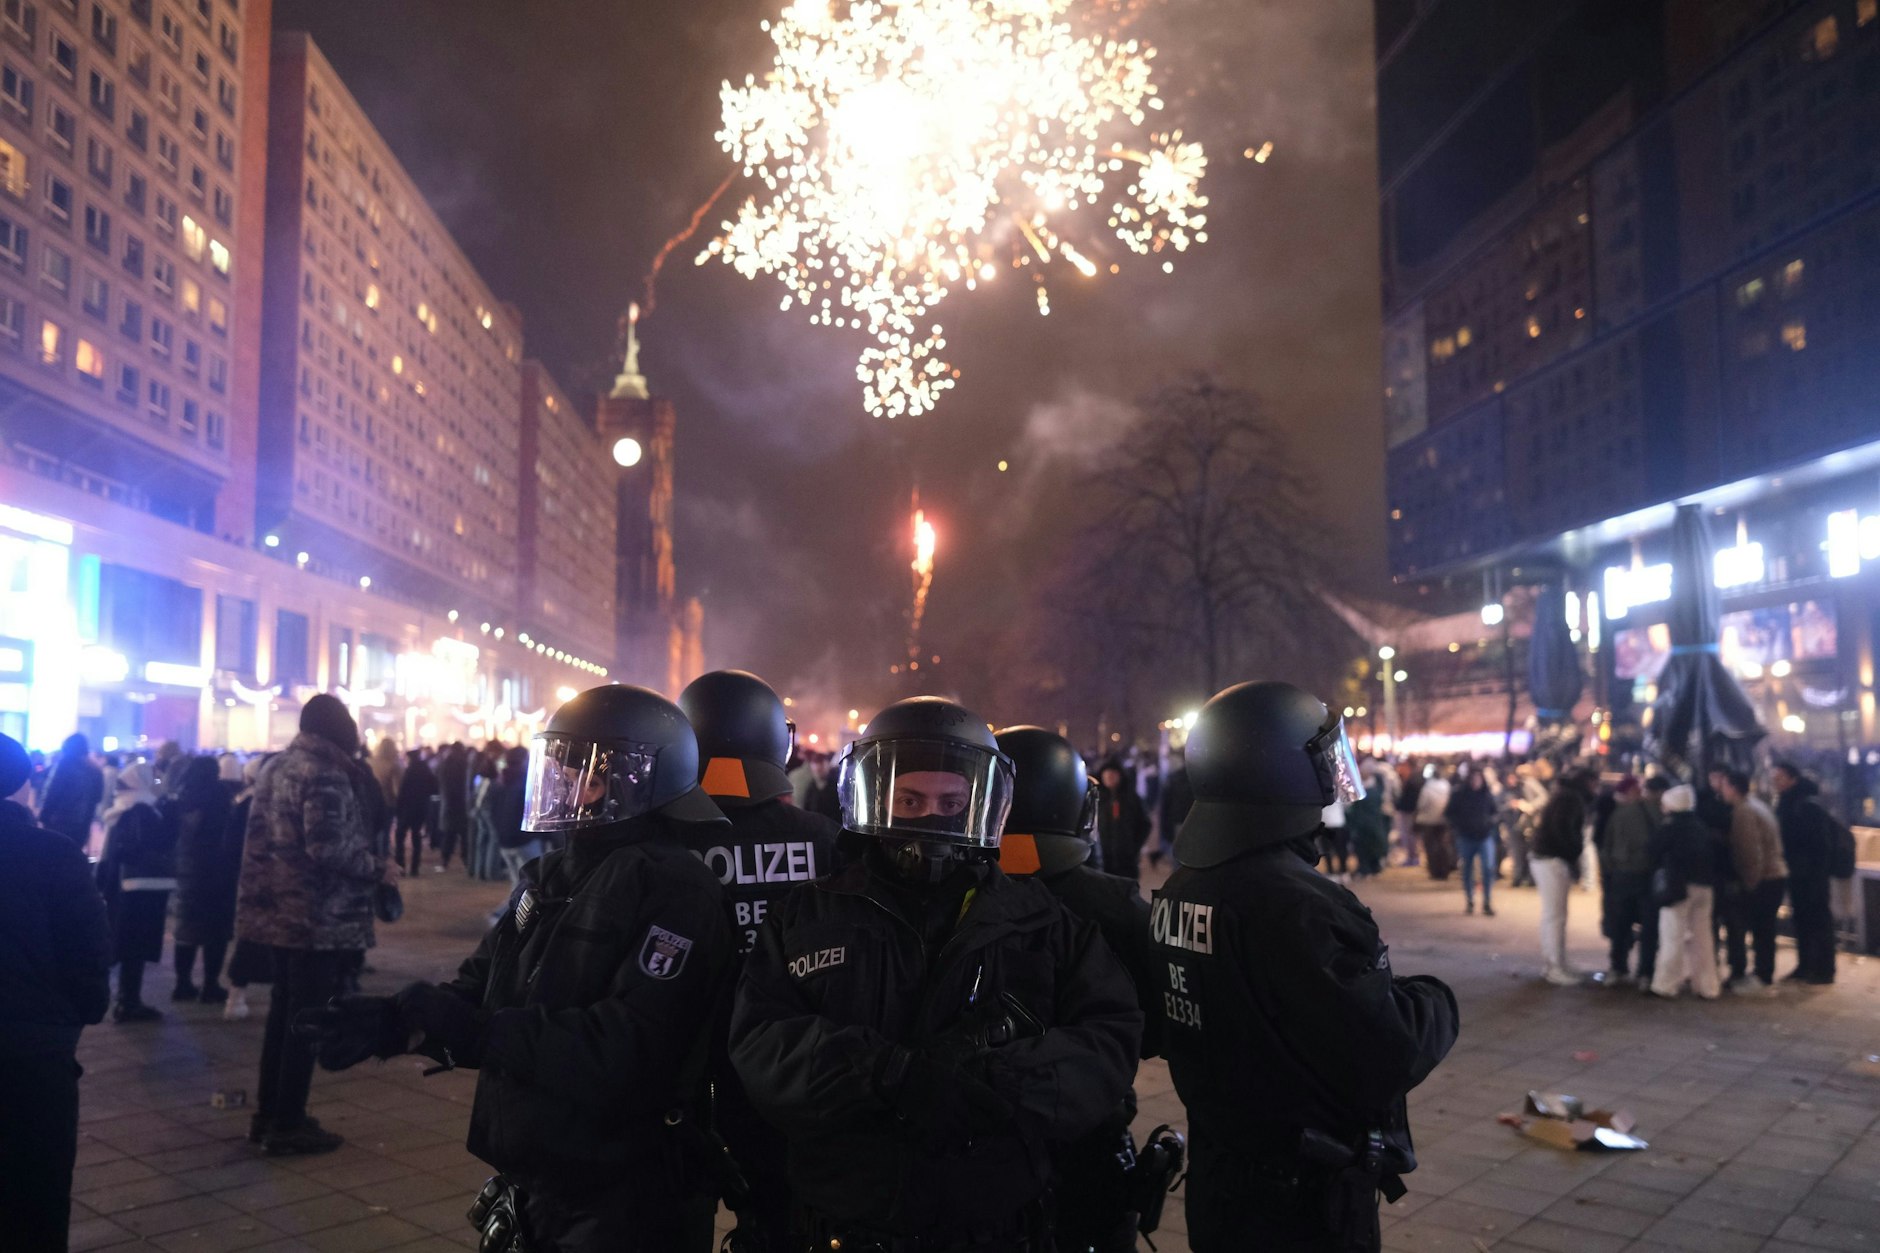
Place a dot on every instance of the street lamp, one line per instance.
(1392, 677)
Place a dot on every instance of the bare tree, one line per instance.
(1207, 553)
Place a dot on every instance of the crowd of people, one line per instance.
(651, 863)
(1682, 871)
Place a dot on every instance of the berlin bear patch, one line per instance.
(664, 953)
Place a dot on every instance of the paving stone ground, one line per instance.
(1763, 1115)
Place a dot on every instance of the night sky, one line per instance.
(562, 141)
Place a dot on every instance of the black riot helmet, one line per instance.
(926, 777)
(1054, 803)
(611, 754)
(743, 735)
(1264, 759)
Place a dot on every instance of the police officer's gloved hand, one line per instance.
(349, 1029)
(451, 1026)
(938, 1099)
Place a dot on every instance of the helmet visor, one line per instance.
(935, 790)
(1336, 764)
(574, 783)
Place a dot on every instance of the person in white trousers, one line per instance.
(1687, 851)
(1559, 839)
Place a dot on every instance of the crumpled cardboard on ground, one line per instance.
(1564, 1122)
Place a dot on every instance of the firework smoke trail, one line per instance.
(925, 544)
(691, 228)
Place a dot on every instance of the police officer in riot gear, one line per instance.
(744, 740)
(588, 1006)
(1100, 1192)
(1290, 1039)
(924, 1029)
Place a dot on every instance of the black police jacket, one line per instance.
(55, 947)
(1117, 907)
(769, 849)
(1283, 1012)
(841, 974)
(598, 988)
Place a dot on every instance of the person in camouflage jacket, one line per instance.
(308, 873)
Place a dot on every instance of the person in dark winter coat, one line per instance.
(453, 802)
(1625, 877)
(1472, 812)
(1122, 824)
(308, 873)
(54, 981)
(136, 875)
(415, 791)
(820, 796)
(208, 866)
(1808, 835)
(1049, 838)
(72, 793)
(1370, 828)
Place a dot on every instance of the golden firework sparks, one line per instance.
(904, 145)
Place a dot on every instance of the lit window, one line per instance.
(1792, 277)
(192, 296)
(372, 295)
(89, 360)
(1865, 11)
(50, 336)
(1749, 293)
(1534, 328)
(218, 256)
(398, 365)
(195, 239)
(1464, 337)
(218, 316)
(1795, 335)
(1825, 39)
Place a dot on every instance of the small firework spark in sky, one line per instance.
(907, 148)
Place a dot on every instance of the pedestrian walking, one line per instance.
(1686, 859)
(1809, 832)
(208, 869)
(416, 790)
(1763, 877)
(136, 875)
(55, 981)
(73, 791)
(1471, 813)
(1432, 828)
(1630, 911)
(307, 879)
(1553, 859)
(1409, 792)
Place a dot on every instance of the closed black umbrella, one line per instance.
(1555, 679)
(1701, 717)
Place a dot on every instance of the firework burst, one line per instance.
(908, 148)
